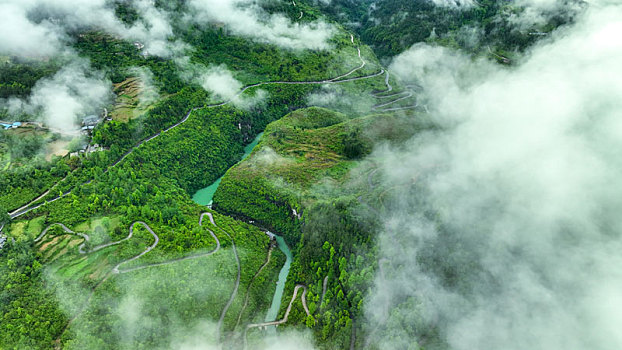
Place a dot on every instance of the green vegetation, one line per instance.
(306, 180)
(309, 163)
(30, 315)
(18, 79)
(393, 26)
(149, 186)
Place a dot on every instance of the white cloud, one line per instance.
(522, 251)
(21, 37)
(65, 97)
(539, 12)
(148, 92)
(453, 3)
(219, 81)
(246, 18)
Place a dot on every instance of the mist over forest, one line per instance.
(311, 174)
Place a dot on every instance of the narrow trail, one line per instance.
(396, 97)
(87, 238)
(324, 285)
(237, 282)
(29, 208)
(304, 300)
(402, 96)
(497, 55)
(117, 268)
(370, 178)
(386, 82)
(363, 63)
(336, 80)
(110, 273)
(14, 212)
(344, 78)
(11, 214)
(173, 261)
(65, 228)
(247, 294)
(286, 316)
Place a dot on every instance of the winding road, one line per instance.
(237, 281)
(117, 268)
(81, 248)
(247, 294)
(344, 78)
(190, 257)
(336, 80)
(114, 270)
(396, 97)
(286, 316)
(324, 285)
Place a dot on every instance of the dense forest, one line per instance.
(392, 26)
(107, 250)
(48, 282)
(306, 180)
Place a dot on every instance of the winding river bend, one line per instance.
(204, 197)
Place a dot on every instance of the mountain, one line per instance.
(333, 174)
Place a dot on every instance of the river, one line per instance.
(280, 284)
(205, 196)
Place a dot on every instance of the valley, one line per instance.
(199, 174)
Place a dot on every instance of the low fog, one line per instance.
(453, 3)
(39, 31)
(61, 100)
(38, 27)
(503, 230)
(220, 81)
(246, 18)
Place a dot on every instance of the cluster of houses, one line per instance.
(89, 123)
(14, 125)
(87, 149)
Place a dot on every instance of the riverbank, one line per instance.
(205, 195)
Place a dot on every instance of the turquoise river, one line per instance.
(205, 196)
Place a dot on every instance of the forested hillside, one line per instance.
(136, 211)
(307, 179)
(91, 231)
(392, 26)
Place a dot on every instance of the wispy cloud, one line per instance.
(39, 27)
(246, 18)
(73, 92)
(220, 81)
(453, 3)
(503, 229)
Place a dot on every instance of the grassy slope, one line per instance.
(310, 161)
(153, 185)
(296, 153)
